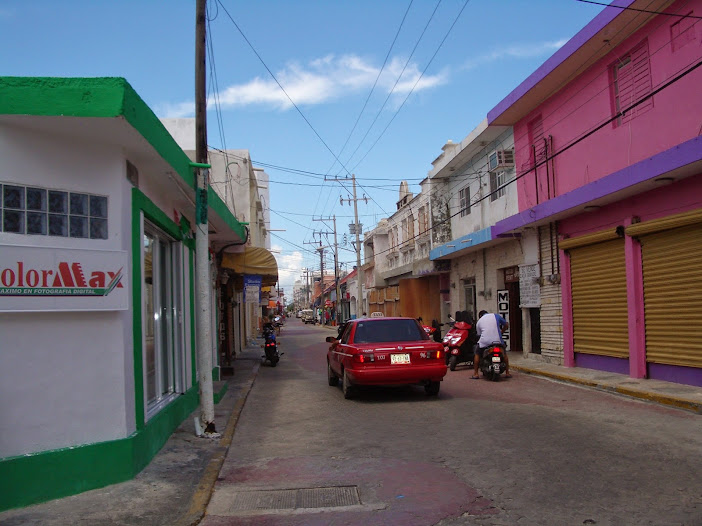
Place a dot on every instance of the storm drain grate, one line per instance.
(288, 499)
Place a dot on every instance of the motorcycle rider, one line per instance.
(489, 329)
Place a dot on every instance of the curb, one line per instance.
(203, 493)
(667, 400)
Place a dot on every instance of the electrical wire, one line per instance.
(382, 68)
(299, 111)
(624, 8)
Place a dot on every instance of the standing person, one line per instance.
(489, 330)
(437, 330)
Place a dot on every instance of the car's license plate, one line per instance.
(399, 358)
(495, 358)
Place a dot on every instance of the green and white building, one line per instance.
(97, 278)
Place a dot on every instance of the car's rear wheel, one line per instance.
(432, 388)
(331, 377)
(346, 387)
(453, 362)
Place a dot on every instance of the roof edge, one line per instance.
(598, 23)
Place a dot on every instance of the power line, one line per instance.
(370, 127)
(382, 68)
(624, 8)
(415, 84)
(568, 146)
(299, 111)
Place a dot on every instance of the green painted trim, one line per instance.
(220, 394)
(30, 479)
(193, 343)
(215, 374)
(142, 204)
(218, 206)
(103, 97)
(137, 316)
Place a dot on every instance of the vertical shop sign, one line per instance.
(503, 310)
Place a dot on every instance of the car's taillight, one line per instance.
(364, 358)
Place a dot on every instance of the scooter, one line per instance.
(459, 340)
(270, 346)
(493, 363)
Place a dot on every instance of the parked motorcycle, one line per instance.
(270, 346)
(459, 340)
(493, 363)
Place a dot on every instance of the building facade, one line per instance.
(96, 285)
(607, 141)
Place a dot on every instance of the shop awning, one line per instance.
(255, 261)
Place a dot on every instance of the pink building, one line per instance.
(608, 145)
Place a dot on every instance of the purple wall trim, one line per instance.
(675, 373)
(597, 24)
(602, 363)
(661, 163)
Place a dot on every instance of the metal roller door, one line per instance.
(672, 274)
(600, 314)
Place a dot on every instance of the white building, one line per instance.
(97, 361)
(471, 193)
(244, 190)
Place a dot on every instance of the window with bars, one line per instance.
(40, 211)
(497, 184)
(631, 82)
(464, 201)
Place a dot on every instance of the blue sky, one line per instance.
(433, 80)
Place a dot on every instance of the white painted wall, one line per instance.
(68, 376)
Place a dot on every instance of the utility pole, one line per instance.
(336, 263)
(357, 230)
(320, 248)
(202, 260)
(307, 287)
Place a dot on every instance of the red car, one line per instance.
(385, 351)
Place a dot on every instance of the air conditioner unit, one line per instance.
(500, 159)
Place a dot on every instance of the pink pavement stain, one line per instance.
(395, 492)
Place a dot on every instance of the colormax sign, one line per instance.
(50, 279)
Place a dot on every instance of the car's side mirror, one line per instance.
(330, 339)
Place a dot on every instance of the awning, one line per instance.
(255, 261)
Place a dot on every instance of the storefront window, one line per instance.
(163, 331)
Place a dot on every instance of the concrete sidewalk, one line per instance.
(682, 396)
(175, 488)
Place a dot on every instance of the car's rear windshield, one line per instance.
(376, 331)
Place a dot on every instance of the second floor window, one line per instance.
(423, 226)
(631, 81)
(497, 184)
(464, 201)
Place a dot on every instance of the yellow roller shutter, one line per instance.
(672, 273)
(600, 314)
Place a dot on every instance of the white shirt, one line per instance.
(489, 328)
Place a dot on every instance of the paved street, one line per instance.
(522, 451)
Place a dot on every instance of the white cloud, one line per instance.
(320, 81)
(289, 268)
(515, 52)
(176, 111)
